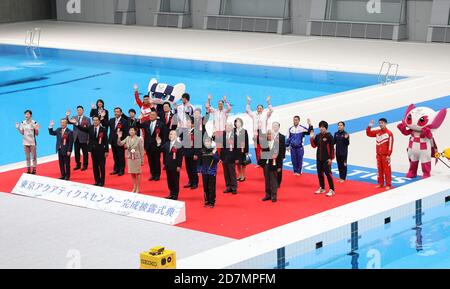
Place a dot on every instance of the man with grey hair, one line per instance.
(272, 162)
(280, 139)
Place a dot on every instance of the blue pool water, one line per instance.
(410, 243)
(50, 81)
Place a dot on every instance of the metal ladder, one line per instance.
(388, 72)
(33, 38)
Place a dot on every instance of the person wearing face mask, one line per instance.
(209, 159)
(134, 148)
(98, 146)
(324, 157)
(64, 146)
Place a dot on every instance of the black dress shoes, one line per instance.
(266, 199)
(62, 178)
(120, 174)
(83, 169)
(187, 186)
(77, 168)
(194, 187)
(113, 173)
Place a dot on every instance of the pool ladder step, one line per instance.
(33, 38)
(388, 72)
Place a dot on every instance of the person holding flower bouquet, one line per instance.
(134, 150)
(64, 146)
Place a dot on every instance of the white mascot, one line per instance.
(418, 123)
(162, 92)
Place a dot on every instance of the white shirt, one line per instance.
(152, 126)
(260, 120)
(117, 121)
(171, 145)
(29, 137)
(220, 117)
(182, 111)
(96, 129)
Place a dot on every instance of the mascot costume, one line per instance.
(418, 123)
(159, 94)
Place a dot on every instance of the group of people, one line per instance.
(176, 132)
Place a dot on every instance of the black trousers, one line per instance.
(84, 148)
(271, 182)
(191, 169)
(98, 166)
(229, 173)
(119, 158)
(279, 177)
(173, 182)
(324, 168)
(154, 162)
(342, 166)
(64, 164)
(209, 188)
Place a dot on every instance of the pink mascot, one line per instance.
(418, 124)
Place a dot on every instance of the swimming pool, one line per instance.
(50, 81)
(421, 241)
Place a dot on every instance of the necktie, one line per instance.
(152, 127)
(167, 118)
(117, 121)
(96, 132)
(79, 120)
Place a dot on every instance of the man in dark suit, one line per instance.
(153, 129)
(168, 119)
(133, 121)
(80, 137)
(64, 146)
(98, 146)
(192, 144)
(174, 158)
(119, 122)
(280, 139)
(272, 162)
(228, 156)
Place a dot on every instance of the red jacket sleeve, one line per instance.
(370, 132)
(137, 98)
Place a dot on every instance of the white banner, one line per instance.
(109, 200)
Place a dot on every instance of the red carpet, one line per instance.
(235, 216)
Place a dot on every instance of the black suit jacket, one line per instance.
(242, 141)
(105, 121)
(192, 143)
(227, 155)
(123, 125)
(150, 138)
(95, 144)
(171, 163)
(64, 146)
(278, 150)
(168, 126)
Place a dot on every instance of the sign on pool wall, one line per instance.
(139, 206)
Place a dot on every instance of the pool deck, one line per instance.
(426, 65)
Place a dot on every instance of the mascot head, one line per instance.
(417, 118)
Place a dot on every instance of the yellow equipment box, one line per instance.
(158, 258)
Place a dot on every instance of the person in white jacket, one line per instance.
(260, 121)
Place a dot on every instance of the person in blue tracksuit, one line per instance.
(342, 141)
(294, 143)
(208, 169)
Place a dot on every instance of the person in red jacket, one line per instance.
(145, 105)
(385, 143)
